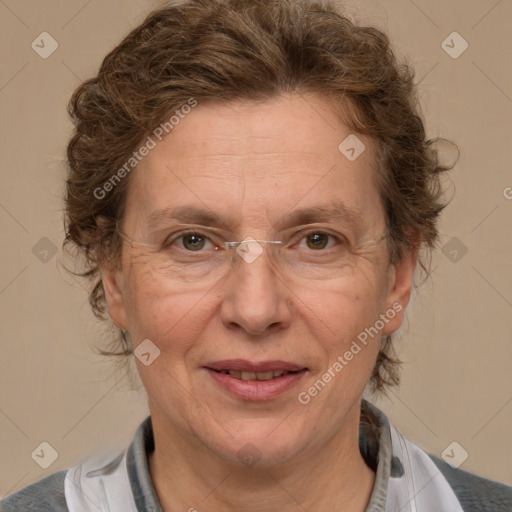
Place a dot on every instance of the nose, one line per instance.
(256, 298)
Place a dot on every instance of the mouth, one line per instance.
(248, 376)
(255, 381)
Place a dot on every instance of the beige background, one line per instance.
(457, 346)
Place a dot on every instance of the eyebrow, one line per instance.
(336, 211)
(185, 214)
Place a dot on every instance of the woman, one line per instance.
(252, 188)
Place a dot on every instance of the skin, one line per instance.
(252, 163)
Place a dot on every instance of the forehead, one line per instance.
(259, 159)
(282, 127)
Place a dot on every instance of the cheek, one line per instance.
(342, 322)
(348, 306)
(349, 350)
(171, 318)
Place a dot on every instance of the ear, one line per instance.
(400, 286)
(112, 281)
(113, 285)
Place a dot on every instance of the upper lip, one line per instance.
(250, 366)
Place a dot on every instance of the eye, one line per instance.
(317, 240)
(193, 241)
(190, 241)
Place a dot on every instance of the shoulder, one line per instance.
(476, 493)
(46, 495)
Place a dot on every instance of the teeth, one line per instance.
(265, 375)
(254, 375)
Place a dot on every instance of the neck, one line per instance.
(188, 477)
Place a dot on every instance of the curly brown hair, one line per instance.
(225, 50)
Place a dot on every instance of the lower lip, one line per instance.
(256, 390)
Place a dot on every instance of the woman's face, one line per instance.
(316, 309)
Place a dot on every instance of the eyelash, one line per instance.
(303, 235)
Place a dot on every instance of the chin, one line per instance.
(261, 443)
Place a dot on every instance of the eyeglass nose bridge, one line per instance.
(250, 249)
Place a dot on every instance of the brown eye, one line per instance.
(317, 240)
(193, 241)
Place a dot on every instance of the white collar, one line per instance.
(422, 487)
